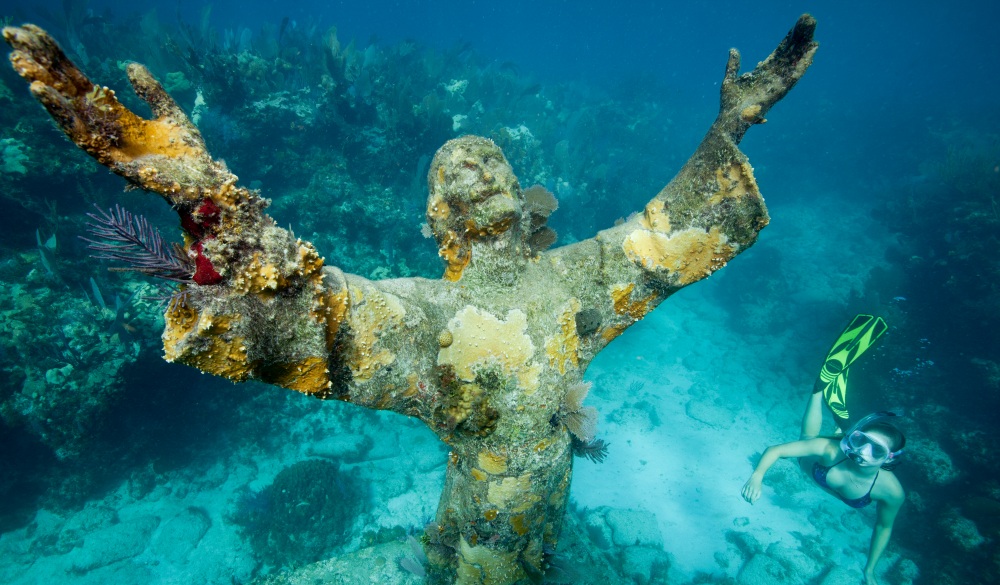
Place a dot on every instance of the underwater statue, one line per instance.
(491, 357)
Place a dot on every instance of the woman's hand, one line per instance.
(752, 488)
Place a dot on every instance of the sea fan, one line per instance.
(542, 238)
(579, 419)
(582, 423)
(129, 239)
(414, 564)
(575, 396)
(539, 202)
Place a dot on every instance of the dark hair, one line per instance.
(897, 441)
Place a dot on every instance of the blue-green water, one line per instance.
(881, 171)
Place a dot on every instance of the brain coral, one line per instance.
(303, 516)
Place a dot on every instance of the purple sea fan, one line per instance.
(129, 239)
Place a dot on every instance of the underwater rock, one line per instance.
(58, 376)
(91, 518)
(640, 416)
(905, 572)
(64, 357)
(141, 483)
(780, 564)
(840, 576)
(597, 528)
(645, 565)
(796, 562)
(12, 156)
(375, 564)
(117, 542)
(622, 527)
(938, 466)
(760, 570)
(851, 521)
(46, 533)
(985, 512)
(744, 542)
(18, 556)
(385, 483)
(346, 448)
(763, 569)
(619, 540)
(978, 446)
(961, 531)
(633, 527)
(180, 535)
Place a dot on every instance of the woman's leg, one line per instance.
(812, 419)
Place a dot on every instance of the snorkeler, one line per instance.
(854, 465)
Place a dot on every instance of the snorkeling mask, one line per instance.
(866, 448)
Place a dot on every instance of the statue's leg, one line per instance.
(499, 515)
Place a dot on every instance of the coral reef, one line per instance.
(484, 356)
(302, 516)
(12, 156)
(947, 225)
(64, 355)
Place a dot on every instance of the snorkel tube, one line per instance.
(865, 448)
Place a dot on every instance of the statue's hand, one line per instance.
(747, 98)
(163, 154)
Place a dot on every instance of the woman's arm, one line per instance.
(885, 518)
(805, 448)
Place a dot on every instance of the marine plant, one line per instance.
(484, 356)
(131, 240)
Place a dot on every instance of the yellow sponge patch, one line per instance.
(562, 347)
(372, 315)
(205, 342)
(735, 182)
(480, 340)
(690, 254)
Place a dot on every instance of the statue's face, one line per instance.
(474, 197)
(473, 191)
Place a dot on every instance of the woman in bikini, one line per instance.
(853, 466)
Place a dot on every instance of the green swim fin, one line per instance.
(860, 335)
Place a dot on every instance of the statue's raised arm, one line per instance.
(241, 260)
(710, 212)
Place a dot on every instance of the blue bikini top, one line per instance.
(819, 474)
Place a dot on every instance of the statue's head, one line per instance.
(476, 207)
(474, 199)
